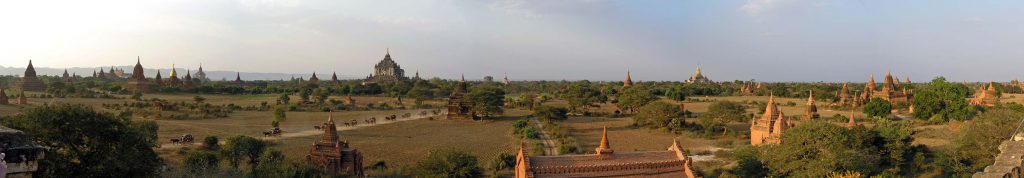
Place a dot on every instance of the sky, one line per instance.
(657, 40)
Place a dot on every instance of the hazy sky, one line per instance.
(766, 40)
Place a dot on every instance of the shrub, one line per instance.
(449, 163)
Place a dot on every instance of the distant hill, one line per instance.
(150, 73)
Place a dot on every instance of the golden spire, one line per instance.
(174, 72)
(698, 70)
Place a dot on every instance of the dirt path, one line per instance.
(310, 132)
(550, 146)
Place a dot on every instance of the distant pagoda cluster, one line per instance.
(891, 91)
(985, 96)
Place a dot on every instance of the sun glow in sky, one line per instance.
(766, 40)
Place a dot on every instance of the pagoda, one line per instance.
(811, 112)
(334, 78)
(138, 81)
(158, 80)
(30, 82)
(458, 108)
(890, 91)
(172, 79)
(628, 82)
(22, 99)
(3, 97)
(504, 80)
(672, 162)
(186, 82)
(386, 70)
(986, 96)
(200, 75)
(698, 77)
(335, 155)
(313, 80)
(769, 127)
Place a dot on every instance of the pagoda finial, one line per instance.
(463, 78)
(138, 60)
(852, 122)
(604, 148)
(330, 116)
(810, 97)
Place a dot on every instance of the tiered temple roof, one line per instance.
(769, 127)
(30, 82)
(672, 162)
(335, 155)
(386, 70)
(138, 81)
(458, 108)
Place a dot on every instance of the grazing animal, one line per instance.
(317, 127)
(175, 141)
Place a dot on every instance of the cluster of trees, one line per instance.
(817, 149)
(81, 142)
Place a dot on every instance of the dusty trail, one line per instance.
(550, 146)
(311, 132)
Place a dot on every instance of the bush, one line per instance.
(877, 107)
(211, 143)
(201, 161)
(656, 114)
(548, 113)
(449, 163)
(531, 133)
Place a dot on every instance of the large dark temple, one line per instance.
(386, 70)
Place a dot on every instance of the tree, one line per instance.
(634, 97)
(727, 111)
(211, 143)
(449, 163)
(978, 142)
(198, 99)
(656, 114)
(283, 99)
(675, 93)
(241, 147)
(321, 95)
(279, 116)
(201, 161)
(816, 148)
(548, 113)
(893, 142)
(136, 95)
(81, 142)
(304, 95)
(941, 101)
(877, 107)
(273, 164)
(584, 95)
(487, 100)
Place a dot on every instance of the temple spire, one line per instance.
(604, 148)
(852, 122)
